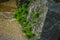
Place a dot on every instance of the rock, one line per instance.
(41, 7)
(51, 28)
(57, 1)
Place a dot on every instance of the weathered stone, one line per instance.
(51, 28)
(41, 7)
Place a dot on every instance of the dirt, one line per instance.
(8, 6)
(10, 29)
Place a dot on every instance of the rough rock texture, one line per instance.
(51, 28)
(41, 7)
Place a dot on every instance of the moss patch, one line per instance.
(21, 16)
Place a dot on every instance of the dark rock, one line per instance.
(51, 28)
(57, 1)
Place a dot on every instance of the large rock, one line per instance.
(41, 7)
(51, 28)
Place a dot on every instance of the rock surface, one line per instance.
(51, 28)
(41, 7)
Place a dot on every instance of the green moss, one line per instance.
(20, 15)
(30, 0)
(29, 34)
(27, 29)
(35, 15)
(25, 5)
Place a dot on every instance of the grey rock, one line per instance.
(51, 28)
(39, 6)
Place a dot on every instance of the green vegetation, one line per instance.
(21, 14)
(35, 15)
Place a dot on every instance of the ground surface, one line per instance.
(10, 29)
(8, 6)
